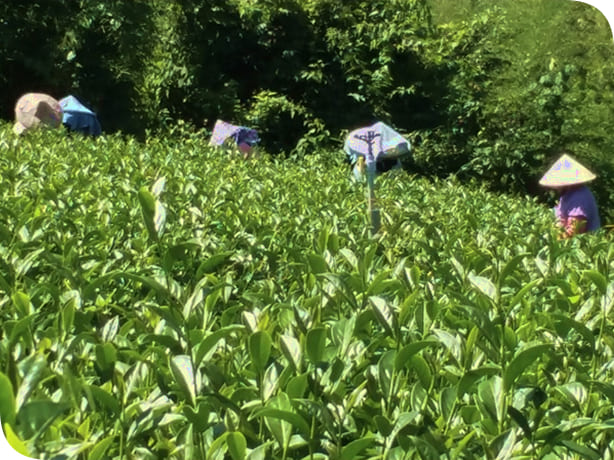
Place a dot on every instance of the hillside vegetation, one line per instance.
(170, 300)
(490, 90)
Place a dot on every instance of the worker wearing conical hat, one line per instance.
(577, 209)
(34, 110)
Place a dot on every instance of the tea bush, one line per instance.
(169, 300)
(494, 90)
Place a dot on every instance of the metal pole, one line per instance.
(372, 202)
(373, 209)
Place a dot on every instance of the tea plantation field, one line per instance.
(170, 301)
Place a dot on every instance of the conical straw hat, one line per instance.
(36, 109)
(566, 171)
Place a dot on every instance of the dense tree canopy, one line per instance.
(493, 90)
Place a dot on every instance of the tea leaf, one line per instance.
(404, 355)
(98, 451)
(506, 447)
(584, 451)
(237, 445)
(522, 361)
(565, 324)
(598, 280)
(384, 314)
(317, 263)
(211, 340)
(489, 399)
(22, 303)
(260, 349)
(292, 350)
(294, 419)
(33, 370)
(315, 344)
(523, 292)
(213, 262)
(14, 441)
(483, 285)
(181, 368)
(521, 420)
(7, 400)
(351, 450)
(509, 267)
(158, 187)
(472, 376)
(383, 425)
(297, 386)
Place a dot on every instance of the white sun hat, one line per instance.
(566, 171)
(36, 109)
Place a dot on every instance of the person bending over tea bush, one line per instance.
(576, 209)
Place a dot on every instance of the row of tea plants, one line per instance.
(168, 300)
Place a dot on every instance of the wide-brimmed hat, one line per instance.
(36, 109)
(566, 171)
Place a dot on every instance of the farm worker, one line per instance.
(378, 143)
(36, 109)
(382, 165)
(77, 117)
(244, 138)
(576, 210)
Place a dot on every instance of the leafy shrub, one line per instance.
(280, 121)
(489, 103)
(169, 300)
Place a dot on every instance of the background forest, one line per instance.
(486, 90)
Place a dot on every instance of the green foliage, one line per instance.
(374, 58)
(278, 120)
(259, 319)
(520, 93)
(487, 91)
(91, 49)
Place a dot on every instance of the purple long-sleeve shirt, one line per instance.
(580, 203)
